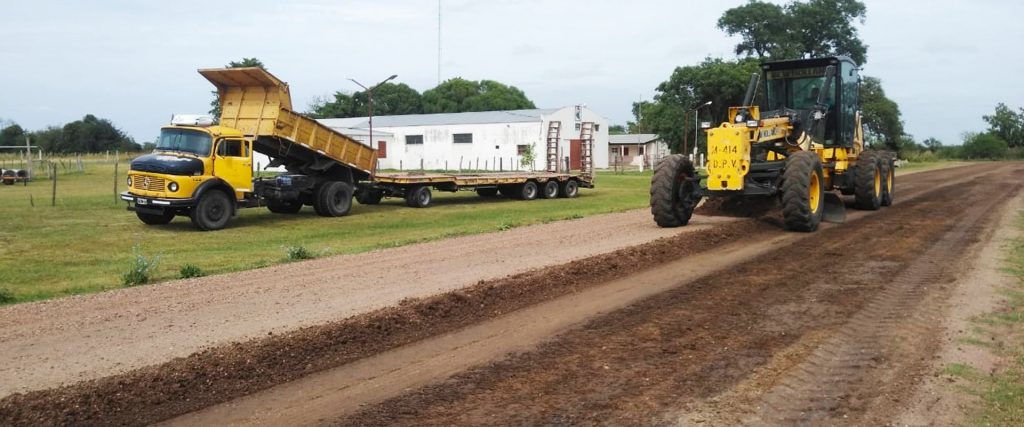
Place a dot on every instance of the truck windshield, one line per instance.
(185, 140)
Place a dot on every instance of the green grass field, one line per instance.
(85, 243)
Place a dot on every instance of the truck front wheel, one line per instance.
(333, 199)
(156, 219)
(212, 212)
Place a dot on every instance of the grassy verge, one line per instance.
(88, 240)
(1001, 392)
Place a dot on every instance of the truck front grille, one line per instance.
(148, 183)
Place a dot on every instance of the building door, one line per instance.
(575, 150)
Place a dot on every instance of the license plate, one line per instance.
(141, 202)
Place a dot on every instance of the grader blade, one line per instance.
(835, 209)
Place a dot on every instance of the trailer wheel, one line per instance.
(569, 189)
(674, 191)
(212, 212)
(487, 192)
(283, 206)
(888, 182)
(334, 198)
(369, 197)
(418, 197)
(527, 191)
(867, 181)
(550, 190)
(156, 219)
(803, 192)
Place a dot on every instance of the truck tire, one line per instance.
(674, 191)
(527, 191)
(284, 206)
(418, 197)
(888, 182)
(487, 192)
(550, 190)
(803, 192)
(370, 197)
(333, 198)
(212, 212)
(569, 189)
(867, 181)
(155, 219)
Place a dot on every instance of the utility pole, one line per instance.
(369, 94)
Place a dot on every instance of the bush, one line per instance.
(190, 270)
(6, 296)
(298, 253)
(984, 146)
(142, 269)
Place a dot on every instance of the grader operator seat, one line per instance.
(799, 88)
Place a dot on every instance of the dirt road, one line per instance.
(778, 327)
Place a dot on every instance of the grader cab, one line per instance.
(805, 143)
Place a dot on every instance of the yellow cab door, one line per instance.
(233, 163)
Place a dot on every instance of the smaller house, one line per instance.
(639, 150)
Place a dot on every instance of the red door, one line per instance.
(575, 149)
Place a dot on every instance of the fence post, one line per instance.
(53, 193)
(115, 182)
(460, 164)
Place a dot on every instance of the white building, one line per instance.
(491, 140)
(642, 150)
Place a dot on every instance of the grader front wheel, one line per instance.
(803, 192)
(674, 191)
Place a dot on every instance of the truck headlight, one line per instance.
(129, 180)
(172, 187)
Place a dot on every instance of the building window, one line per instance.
(462, 138)
(382, 149)
(641, 148)
(577, 125)
(413, 139)
(521, 149)
(597, 127)
(625, 151)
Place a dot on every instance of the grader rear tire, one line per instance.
(674, 191)
(803, 192)
(867, 181)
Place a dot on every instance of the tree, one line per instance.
(388, 99)
(984, 146)
(460, 95)
(932, 144)
(880, 115)
(616, 130)
(800, 29)
(245, 62)
(720, 81)
(1007, 125)
(88, 135)
(12, 134)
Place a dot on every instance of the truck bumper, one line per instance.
(142, 203)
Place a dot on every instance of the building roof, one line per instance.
(632, 138)
(354, 132)
(480, 117)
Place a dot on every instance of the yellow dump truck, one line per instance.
(205, 171)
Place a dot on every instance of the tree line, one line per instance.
(91, 134)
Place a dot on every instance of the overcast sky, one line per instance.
(134, 62)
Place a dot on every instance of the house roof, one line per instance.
(353, 132)
(633, 138)
(480, 117)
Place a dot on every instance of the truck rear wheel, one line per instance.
(333, 198)
(569, 189)
(212, 212)
(418, 197)
(550, 190)
(867, 181)
(156, 219)
(803, 192)
(888, 181)
(283, 206)
(527, 191)
(674, 193)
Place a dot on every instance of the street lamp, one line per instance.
(369, 93)
(696, 124)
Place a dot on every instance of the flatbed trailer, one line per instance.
(205, 171)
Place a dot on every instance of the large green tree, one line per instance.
(1007, 124)
(12, 134)
(460, 95)
(883, 122)
(88, 135)
(245, 62)
(388, 99)
(811, 28)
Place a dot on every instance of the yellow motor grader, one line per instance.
(806, 143)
